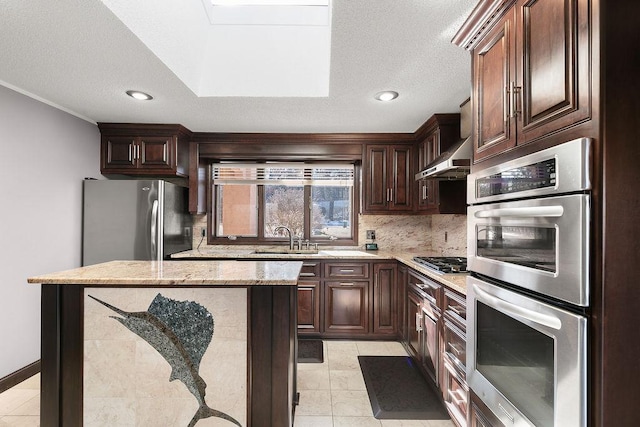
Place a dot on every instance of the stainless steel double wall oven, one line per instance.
(528, 292)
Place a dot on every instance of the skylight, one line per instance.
(247, 48)
(268, 12)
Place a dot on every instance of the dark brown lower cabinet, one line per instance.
(480, 415)
(309, 307)
(349, 298)
(385, 298)
(430, 350)
(346, 308)
(414, 324)
(401, 280)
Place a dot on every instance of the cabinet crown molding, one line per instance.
(479, 21)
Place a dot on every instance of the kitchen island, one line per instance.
(179, 343)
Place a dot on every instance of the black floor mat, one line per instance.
(397, 390)
(310, 351)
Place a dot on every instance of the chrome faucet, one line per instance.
(288, 230)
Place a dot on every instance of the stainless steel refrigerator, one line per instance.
(134, 220)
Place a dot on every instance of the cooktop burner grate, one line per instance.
(443, 264)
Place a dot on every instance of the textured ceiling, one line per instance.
(78, 56)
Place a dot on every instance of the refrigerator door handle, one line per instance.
(154, 230)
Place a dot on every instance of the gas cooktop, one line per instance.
(443, 264)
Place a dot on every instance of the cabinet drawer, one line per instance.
(455, 306)
(310, 269)
(430, 289)
(346, 270)
(456, 395)
(455, 345)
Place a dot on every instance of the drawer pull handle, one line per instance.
(457, 398)
(346, 271)
(453, 359)
(425, 285)
(458, 310)
(455, 349)
(307, 275)
(347, 284)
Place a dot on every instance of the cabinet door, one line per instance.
(156, 152)
(428, 191)
(493, 70)
(402, 179)
(384, 298)
(308, 307)
(430, 345)
(346, 308)
(414, 324)
(402, 300)
(554, 77)
(118, 152)
(376, 185)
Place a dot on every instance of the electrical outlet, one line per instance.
(371, 234)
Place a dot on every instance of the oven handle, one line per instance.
(517, 311)
(530, 211)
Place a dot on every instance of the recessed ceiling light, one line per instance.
(141, 96)
(386, 95)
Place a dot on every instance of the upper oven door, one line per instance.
(536, 244)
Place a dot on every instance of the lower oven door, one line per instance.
(526, 359)
(537, 244)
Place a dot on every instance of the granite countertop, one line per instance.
(165, 273)
(456, 282)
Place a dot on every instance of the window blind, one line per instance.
(334, 175)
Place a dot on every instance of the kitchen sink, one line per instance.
(347, 253)
(286, 251)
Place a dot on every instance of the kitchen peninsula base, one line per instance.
(135, 346)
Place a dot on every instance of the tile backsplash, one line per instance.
(446, 234)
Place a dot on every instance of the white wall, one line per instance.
(44, 155)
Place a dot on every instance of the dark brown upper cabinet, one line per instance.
(146, 150)
(530, 72)
(436, 136)
(388, 178)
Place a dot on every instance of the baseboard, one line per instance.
(18, 376)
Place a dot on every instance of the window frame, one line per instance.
(213, 239)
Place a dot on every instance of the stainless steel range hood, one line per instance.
(455, 163)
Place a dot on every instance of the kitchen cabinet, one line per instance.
(388, 178)
(413, 342)
(401, 280)
(423, 296)
(435, 320)
(144, 150)
(454, 386)
(436, 136)
(480, 415)
(385, 298)
(309, 291)
(346, 308)
(530, 72)
(346, 299)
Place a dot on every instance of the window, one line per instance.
(315, 201)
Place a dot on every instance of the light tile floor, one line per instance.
(332, 394)
(20, 405)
